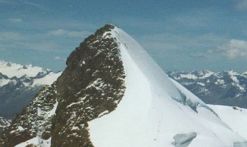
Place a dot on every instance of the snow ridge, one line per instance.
(153, 103)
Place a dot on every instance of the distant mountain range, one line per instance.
(19, 84)
(223, 88)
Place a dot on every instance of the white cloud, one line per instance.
(193, 21)
(57, 32)
(234, 49)
(29, 3)
(6, 2)
(68, 33)
(241, 4)
(59, 58)
(33, 4)
(10, 36)
(15, 20)
(76, 33)
(9, 40)
(181, 43)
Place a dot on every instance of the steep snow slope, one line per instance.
(234, 117)
(155, 109)
(47, 79)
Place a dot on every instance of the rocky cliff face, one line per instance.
(91, 85)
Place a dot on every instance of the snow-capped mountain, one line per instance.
(112, 94)
(19, 84)
(224, 88)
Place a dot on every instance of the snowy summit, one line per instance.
(112, 94)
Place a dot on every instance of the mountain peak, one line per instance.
(91, 85)
(101, 33)
(111, 94)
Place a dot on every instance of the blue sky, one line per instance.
(179, 35)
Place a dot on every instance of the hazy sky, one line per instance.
(178, 34)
